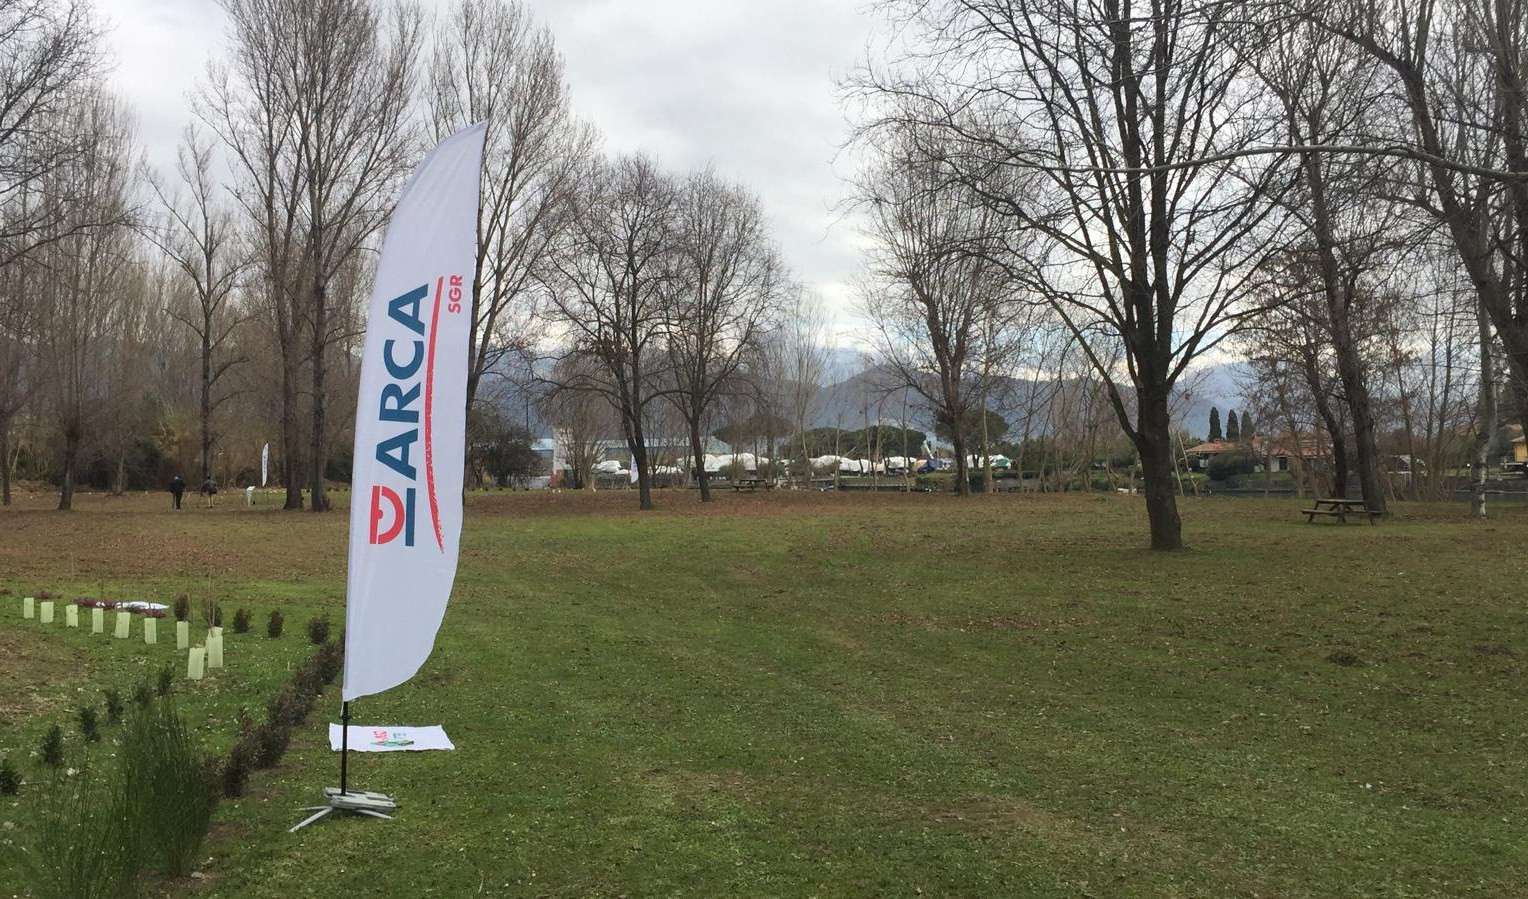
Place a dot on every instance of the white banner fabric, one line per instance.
(410, 424)
(376, 738)
(265, 464)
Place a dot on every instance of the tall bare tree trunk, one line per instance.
(318, 444)
(291, 430)
(205, 410)
(1153, 441)
(636, 441)
(1485, 417)
(5, 461)
(986, 448)
(71, 457)
(699, 452)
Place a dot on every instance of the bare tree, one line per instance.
(19, 376)
(940, 300)
(492, 62)
(242, 102)
(349, 80)
(82, 270)
(581, 421)
(200, 240)
(1127, 117)
(1344, 225)
(122, 369)
(49, 50)
(611, 290)
(1291, 339)
(313, 108)
(804, 355)
(1460, 71)
(725, 298)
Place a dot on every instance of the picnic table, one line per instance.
(1340, 509)
(752, 484)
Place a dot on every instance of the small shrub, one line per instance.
(273, 744)
(10, 778)
(89, 726)
(182, 607)
(241, 621)
(236, 768)
(270, 743)
(291, 706)
(273, 625)
(166, 679)
(53, 748)
(142, 696)
(168, 797)
(113, 705)
(318, 630)
(308, 679)
(330, 661)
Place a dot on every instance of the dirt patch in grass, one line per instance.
(30, 672)
(686, 784)
(1001, 813)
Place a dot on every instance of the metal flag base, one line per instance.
(355, 802)
(342, 798)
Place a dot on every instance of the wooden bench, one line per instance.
(752, 484)
(1340, 509)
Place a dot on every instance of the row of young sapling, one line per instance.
(209, 655)
(88, 716)
(105, 823)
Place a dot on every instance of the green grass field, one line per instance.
(803, 694)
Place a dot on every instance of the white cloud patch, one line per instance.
(747, 86)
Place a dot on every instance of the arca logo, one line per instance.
(406, 404)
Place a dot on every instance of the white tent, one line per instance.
(998, 461)
(745, 461)
(860, 466)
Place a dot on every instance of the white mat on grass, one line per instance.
(379, 738)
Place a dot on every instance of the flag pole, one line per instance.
(344, 747)
(396, 592)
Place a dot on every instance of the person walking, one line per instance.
(177, 488)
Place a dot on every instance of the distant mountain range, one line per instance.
(866, 397)
(856, 391)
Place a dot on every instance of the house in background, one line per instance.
(1517, 460)
(1274, 453)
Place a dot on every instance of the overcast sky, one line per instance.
(746, 84)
